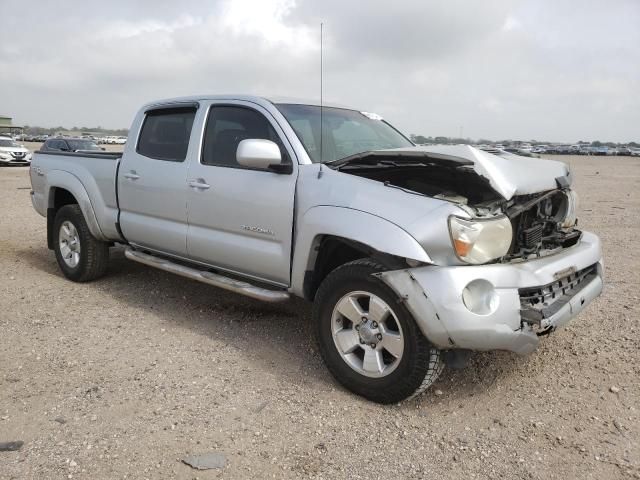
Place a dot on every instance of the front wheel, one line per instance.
(81, 257)
(368, 340)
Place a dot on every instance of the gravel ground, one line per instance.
(125, 376)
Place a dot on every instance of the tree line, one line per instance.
(35, 130)
(421, 139)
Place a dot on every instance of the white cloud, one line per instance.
(511, 23)
(129, 28)
(266, 19)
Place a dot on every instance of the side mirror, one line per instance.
(261, 154)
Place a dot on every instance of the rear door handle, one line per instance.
(132, 175)
(199, 183)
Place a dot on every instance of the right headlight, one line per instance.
(480, 241)
(570, 217)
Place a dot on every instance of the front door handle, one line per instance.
(132, 175)
(199, 183)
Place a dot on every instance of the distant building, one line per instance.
(7, 126)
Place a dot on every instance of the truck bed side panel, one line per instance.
(96, 173)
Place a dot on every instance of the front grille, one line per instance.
(548, 294)
(537, 304)
(18, 155)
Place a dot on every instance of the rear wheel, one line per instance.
(368, 340)
(81, 257)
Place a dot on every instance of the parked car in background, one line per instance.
(562, 149)
(411, 255)
(70, 145)
(525, 149)
(623, 151)
(634, 152)
(12, 153)
(115, 140)
(90, 137)
(539, 149)
(602, 150)
(585, 150)
(518, 151)
(550, 149)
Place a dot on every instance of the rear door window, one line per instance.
(166, 132)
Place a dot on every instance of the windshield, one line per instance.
(344, 132)
(82, 145)
(8, 143)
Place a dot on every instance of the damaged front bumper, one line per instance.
(501, 306)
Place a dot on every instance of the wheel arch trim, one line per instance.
(354, 225)
(58, 179)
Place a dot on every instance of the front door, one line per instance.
(240, 219)
(152, 181)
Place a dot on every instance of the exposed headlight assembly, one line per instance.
(570, 217)
(480, 241)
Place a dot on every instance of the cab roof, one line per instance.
(260, 100)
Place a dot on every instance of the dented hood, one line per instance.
(510, 176)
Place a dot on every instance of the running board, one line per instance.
(214, 279)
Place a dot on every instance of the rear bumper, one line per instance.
(434, 296)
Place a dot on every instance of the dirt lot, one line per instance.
(125, 376)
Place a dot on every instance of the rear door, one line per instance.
(152, 187)
(241, 219)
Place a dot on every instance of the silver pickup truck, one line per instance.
(412, 256)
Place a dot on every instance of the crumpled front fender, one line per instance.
(365, 228)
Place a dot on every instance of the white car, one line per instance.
(12, 153)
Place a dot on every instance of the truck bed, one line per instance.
(93, 173)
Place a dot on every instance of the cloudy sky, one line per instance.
(561, 70)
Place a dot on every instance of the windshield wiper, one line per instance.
(398, 158)
(359, 158)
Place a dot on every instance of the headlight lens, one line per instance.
(480, 241)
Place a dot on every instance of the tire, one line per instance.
(81, 257)
(381, 377)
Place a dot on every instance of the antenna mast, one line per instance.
(321, 106)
